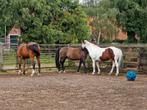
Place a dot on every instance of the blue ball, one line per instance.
(131, 75)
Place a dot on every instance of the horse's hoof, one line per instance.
(59, 71)
(19, 72)
(98, 73)
(116, 74)
(93, 73)
(109, 73)
(26, 72)
(32, 75)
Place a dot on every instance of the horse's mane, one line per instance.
(94, 44)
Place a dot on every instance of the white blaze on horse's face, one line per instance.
(86, 42)
(19, 72)
(83, 45)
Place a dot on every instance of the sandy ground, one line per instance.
(72, 91)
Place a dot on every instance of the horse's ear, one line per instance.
(85, 41)
(82, 41)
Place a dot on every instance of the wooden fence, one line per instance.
(132, 58)
(1, 57)
(142, 61)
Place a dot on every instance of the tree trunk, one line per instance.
(131, 37)
(99, 37)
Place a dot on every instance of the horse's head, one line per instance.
(85, 43)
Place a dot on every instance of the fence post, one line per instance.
(1, 57)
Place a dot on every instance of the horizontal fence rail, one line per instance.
(131, 59)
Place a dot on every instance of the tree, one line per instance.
(104, 22)
(132, 16)
(46, 21)
(5, 16)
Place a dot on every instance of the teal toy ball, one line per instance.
(131, 75)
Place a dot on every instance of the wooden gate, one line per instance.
(142, 59)
(1, 57)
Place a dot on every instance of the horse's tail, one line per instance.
(35, 48)
(57, 58)
(120, 59)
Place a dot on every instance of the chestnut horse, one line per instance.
(28, 51)
(98, 54)
(71, 53)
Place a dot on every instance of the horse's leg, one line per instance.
(113, 65)
(98, 67)
(59, 66)
(80, 62)
(63, 68)
(93, 65)
(19, 65)
(62, 65)
(38, 61)
(84, 66)
(117, 67)
(24, 62)
(33, 65)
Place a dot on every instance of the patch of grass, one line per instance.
(3, 72)
(11, 59)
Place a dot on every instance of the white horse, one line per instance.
(98, 54)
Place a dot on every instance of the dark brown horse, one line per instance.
(72, 53)
(28, 51)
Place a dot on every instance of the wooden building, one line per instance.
(12, 36)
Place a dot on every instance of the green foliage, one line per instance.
(104, 20)
(47, 21)
(5, 16)
(133, 16)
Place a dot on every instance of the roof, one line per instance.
(121, 35)
(15, 31)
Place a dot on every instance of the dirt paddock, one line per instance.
(72, 91)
